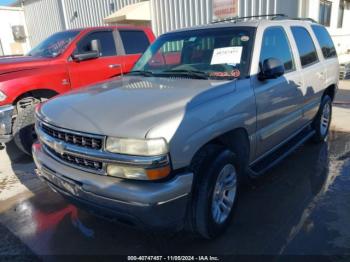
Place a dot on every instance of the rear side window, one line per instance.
(275, 44)
(325, 41)
(306, 46)
(135, 42)
(106, 39)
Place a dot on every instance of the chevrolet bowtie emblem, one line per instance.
(59, 147)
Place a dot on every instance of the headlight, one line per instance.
(137, 147)
(2, 96)
(137, 173)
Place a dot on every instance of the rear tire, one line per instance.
(23, 127)
(322, 120)
(216, 188)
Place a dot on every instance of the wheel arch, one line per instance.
(330, 91)
(40, 93)
(236, 140)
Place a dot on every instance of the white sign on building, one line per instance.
(224, 8)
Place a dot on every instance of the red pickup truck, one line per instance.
(64, 61)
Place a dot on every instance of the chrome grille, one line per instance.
(344, 71)
(72, 138)
(77, 161)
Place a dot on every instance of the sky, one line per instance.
(6, 2)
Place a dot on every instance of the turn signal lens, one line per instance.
(156, 174)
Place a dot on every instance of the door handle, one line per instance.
(112, 66)
(115, 66)
(321, 75)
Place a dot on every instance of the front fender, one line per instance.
(190, 131)
(21, 82)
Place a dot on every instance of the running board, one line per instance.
(280, 154)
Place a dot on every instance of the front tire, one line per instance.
(323, 119)
(215, 193)
(23, 127)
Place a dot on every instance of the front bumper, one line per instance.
(150, 205)
(6, 113)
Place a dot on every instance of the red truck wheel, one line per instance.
(23, 127)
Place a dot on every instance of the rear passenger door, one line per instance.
(135, 43)
(104, 67)
(313, 72)
(329, 53)
(278, 100)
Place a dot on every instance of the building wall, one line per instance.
(91, 12)
(11, 17)
(42, 18)
(341, 36)
(169, 15)
(45, 17)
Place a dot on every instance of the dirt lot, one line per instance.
(301, 207)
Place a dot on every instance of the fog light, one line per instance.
(137, 173)
(127, 172)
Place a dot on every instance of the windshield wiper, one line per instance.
(190, 73)
(141, 72)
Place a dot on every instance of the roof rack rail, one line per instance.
(295, 18)
(272, 17)
(237, 18)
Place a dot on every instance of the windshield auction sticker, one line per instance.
(227, 55)
(234, 73)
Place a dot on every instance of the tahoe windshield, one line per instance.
(220, 53)
(54, 45)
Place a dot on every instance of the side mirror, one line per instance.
(271, 68)
(95, 46)
(85, 56)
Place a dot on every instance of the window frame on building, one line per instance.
(325, 17)
(341, 11)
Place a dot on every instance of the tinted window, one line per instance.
(106, 39)
(135, 42)
(325, 41)
(275, 45)
(306, 47)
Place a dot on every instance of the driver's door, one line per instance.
(108, 65)
(278, 101)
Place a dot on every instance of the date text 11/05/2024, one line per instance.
(173, 258)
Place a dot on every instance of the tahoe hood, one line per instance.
(130, 106)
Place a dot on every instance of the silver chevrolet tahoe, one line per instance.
(204, 110)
